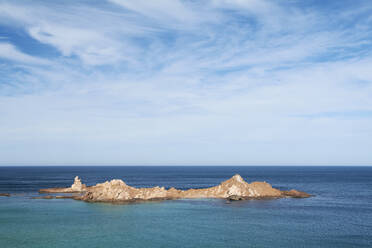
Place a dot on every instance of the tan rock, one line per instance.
(234, 186)
(77, 186)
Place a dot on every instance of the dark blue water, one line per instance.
(339, 216)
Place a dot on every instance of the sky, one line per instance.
(185, 82)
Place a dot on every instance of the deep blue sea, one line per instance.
(340, 215)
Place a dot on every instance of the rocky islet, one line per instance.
(118, 191)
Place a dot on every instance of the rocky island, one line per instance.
(118, 191)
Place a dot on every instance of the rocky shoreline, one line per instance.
(117, 191)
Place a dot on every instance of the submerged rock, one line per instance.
(117, 190)
(44, 197)
(76, 197)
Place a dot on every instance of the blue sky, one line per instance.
(226, 82)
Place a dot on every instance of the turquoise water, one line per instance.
(339, 216)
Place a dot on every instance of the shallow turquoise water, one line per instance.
(336, 217)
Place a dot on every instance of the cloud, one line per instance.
(163, 10)
(9, 52)
(74, 35)
(217, 82)
(257, 6)
(91, 47)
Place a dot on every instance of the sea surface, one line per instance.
(340, 214)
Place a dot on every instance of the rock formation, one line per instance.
(76, 187)
(116, 190)
(4, 194)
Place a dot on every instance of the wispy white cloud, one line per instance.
(91, 47)
(75, 35)
(161, 10)
(9, 52)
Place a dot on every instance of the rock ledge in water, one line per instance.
(295, 194)
(76, 187)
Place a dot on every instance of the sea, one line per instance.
(339, 214)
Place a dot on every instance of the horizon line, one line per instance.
(185, 165)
